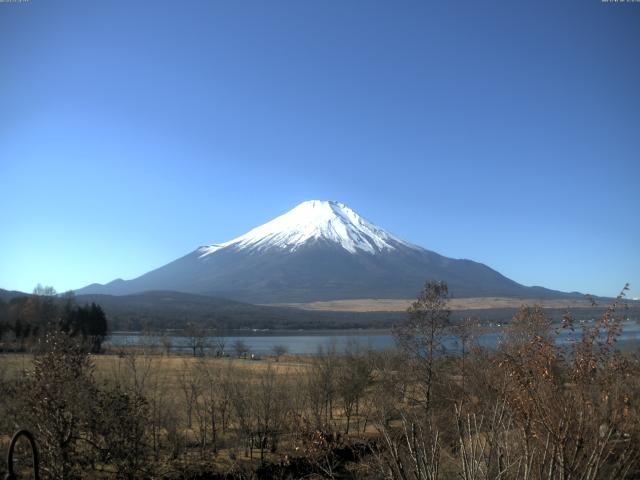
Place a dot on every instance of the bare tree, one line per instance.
(414, 454)
(271, 409)
(321, 387)
(388, 387)
(44, 291)
(197, 338)
(213, 406)
(243, 401)
(219, 342)
(167, 342)
(189, 384)
(421, 335)
(354, 376)
(241, 348)
(279, 351)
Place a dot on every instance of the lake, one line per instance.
(309, 343)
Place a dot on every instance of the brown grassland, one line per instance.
(401, 305)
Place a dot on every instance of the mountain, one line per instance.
(319, 250)
(7, 295)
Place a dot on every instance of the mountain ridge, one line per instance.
(319, 251)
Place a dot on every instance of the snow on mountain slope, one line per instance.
(316, 252)
(315, 220)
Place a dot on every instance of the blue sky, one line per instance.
(505, 132)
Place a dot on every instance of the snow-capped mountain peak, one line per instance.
(315, 220)
(318, 251)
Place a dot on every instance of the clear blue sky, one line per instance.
(507, 132)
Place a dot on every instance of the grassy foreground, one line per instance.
(528, 410)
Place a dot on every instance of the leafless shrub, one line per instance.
(572, 408)
(118, 430)
(61, 390)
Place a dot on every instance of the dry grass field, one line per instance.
(171, 367)
(400, 305)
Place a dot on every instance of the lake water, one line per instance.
(308, 343)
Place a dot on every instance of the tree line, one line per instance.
(23, 320)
